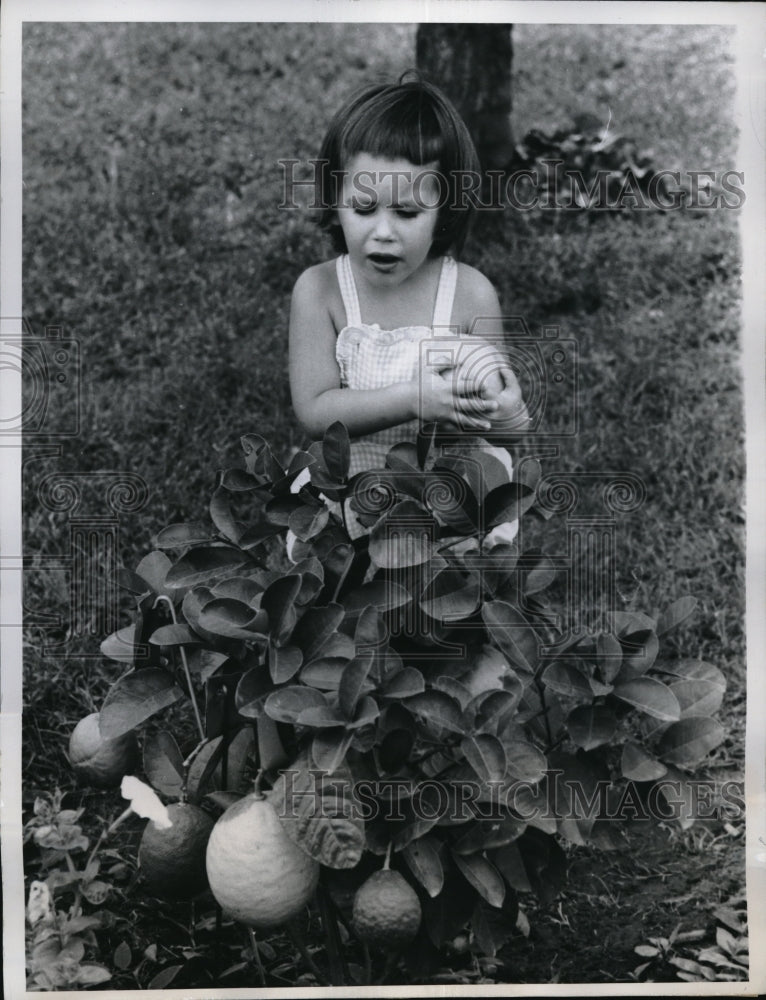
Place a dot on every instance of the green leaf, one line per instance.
(256, 533)
(367, 712)
(174, 635)
(312, 580)
(627, 623)
(353, 682)
(238, 759)
(402, 536)
(455, 689)
(437, 709)
(136, 697)
(370, 631)
(591, 726)
(203, 564)
(232, 619)
(567, 679)
(483, 876)
(238, 481)
(507, 503)
(280, 509)
(639, 651)
(486, 756)
(286, 704)
(651, 697)
(165, 977)
(509, 862)
(524, 761)
(451, 596)
(491, 929)
(639, 765)
(93, 975)
(284, 662)
(497, 568)
(383, 595)
(278, 602)
(541, 574)
(325, 672)
(203, 769)
(319, 815)
(120, 645)
(512, 634)
(609, 653)
(487, 834)
(191, 533)
(329, 748)
(422, 858)
(491, 709)
(403, 684)
(252, 446)
(240, 588)
(306, 522)
(163, 764)
(695, 670)
(698, 697)
(678, 612)
(321, 717)
(316, 627)
(154, 569)
(123, 956)
(687, 742)
(222, 517)
(252, 690)
(336, 451)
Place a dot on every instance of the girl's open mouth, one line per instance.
(385, 261)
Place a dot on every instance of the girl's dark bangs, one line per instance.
(395, 138)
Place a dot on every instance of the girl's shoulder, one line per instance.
(475, 295)
(317, 286)
(316, 279)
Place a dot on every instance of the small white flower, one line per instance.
(39, 905)
(144, 801)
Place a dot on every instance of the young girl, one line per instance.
(379, 336)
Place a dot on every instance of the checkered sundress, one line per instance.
(371, 358)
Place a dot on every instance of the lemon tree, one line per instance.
(412, 694)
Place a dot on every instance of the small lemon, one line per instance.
(386, 911)
(172, 859)
(97, 761)
(257, 874)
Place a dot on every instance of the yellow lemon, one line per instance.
(257, 874)
(98, 761)
(172, 859)
(386, 911)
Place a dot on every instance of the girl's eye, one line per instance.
(407, 213)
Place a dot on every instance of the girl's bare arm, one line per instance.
(319, 400)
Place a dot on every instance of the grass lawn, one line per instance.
(153, 236)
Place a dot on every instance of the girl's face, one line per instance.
(388, 215)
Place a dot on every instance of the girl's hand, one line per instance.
(440, 400)
(511, 413)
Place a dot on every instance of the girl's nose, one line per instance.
(383, 229)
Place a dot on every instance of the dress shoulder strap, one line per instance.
(348, 290)
(445, 293)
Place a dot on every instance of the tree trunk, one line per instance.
(471, 63)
